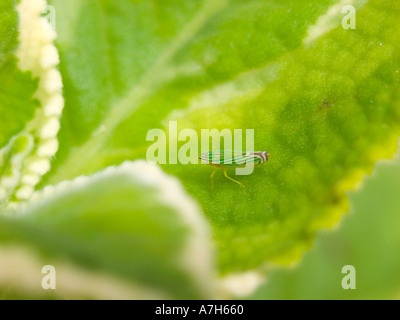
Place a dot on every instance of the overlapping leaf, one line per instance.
(17, 88)
(120, 222)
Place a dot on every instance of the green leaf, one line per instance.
(325, 105)
(17, 87)
(30, 108)
(368, 239)
(148, 58)
(121, 222)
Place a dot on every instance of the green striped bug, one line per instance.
(224, 159)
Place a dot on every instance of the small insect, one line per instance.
(224, 159)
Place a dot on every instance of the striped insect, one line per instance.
(224, 160)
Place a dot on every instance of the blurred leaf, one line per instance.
(30, 103)
(368, 239)
(121, 221)
(16, 90)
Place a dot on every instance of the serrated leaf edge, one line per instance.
(36, 53)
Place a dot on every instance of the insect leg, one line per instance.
(226, 175)
(212, 180)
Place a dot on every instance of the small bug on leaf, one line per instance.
(224, 159)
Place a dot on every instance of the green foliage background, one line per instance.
(323, 101)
